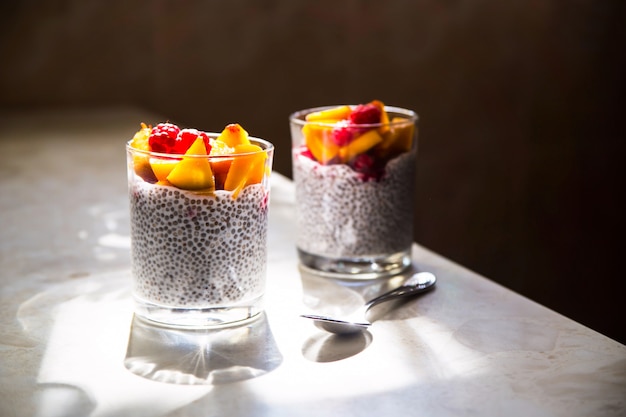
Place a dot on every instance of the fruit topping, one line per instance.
(398, 139)
(365, 114)
(360, 145)
(141, 162)
(186, 137)
(141, 138)
(317, 139)
(343, 132)
(245, 169)
(162, 167)
(363, 163)
(193, 172)
(187, 164)
(220, 166)
(233, 135)
(361, 136)
(366, 165)
(163, 138)
(329, 115)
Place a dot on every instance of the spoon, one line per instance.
(416, 284)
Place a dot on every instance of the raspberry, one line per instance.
(343, 133)
(365, 114)
(163, 137)
(365, 165)
(186, 138)
(304, 151)
(169, 138)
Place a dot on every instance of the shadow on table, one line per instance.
(327, 347)
(201, 356)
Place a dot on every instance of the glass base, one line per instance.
(356, 267)
(198, 318)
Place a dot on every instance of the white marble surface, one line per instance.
(69, 345)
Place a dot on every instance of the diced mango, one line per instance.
(233, 135)
(220, 166)
(329, 115)
(399, 139)
(317, 139)
(141, 166)
(219, 148)
(162, 167)
(384, 117)
(245, 169)
(192, 172)
(141, 162)
(361, 144)
(141, 139)
(220, 169)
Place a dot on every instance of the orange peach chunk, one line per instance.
(233, 135)
(245, 169)
(317, 139)
(141, 163)
(220, 168)
(361, 144)
(329, 115)
(193, 172)
(399, 139)
(162, 167)
(384, 117)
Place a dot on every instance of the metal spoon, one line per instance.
(416, 284)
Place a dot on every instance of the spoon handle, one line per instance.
(418, 283)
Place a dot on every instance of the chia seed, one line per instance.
(342, 215)
(198, 251)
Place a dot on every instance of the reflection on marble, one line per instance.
(201, 356)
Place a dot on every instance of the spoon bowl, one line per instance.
(357, 322)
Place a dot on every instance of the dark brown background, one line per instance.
(521, 102)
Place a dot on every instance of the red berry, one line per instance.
(365, 114)
(343, 133)
(363, 163)
(163, 137)
(304, 151)
(366, 166)
(186, 138)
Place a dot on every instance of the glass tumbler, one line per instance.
(354, 185)
(199, 253)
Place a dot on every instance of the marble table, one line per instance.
(70, 345)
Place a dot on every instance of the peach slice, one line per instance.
(317, 139)
(329, 115)
(193, 172)
(163, 167)
(245, 169)
(399, 139)
(384, 117)
(220, 166)
(233, 135)
(141, 163)
(361, 144)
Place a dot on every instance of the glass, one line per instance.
(199, 256)
(355, 196)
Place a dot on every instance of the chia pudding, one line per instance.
(198, 217)
(342, 215)
(198, 251)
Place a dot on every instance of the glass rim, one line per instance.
(266, 147)
(298, 116)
